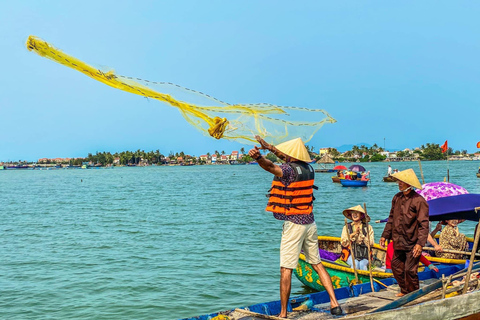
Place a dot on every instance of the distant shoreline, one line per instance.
(35, 166)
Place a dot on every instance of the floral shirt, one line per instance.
(288, 177)
(452, 239)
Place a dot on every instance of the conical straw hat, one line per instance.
(295, 149)
(409, 177)
(348, 213)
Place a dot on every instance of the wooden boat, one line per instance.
(354, 183)
(335, 179)
(359, 302)
(342, 276)
(478, 174)
(324, 170)
(388, 179)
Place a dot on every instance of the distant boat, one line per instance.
(19, 167)
(389, 179)
(236, 162)
(354, 183)
(335, 179)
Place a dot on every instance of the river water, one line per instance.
(162, 242)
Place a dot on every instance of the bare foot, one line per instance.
(400, 294)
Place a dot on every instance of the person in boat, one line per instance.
(438, 228)
(360, 237)
(353, 175)
(340, 174)
(365, 176)
(389, 172)
(408, 227)
(388, 260)
(291, 200)
(452, 239)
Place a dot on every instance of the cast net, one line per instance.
(211, 116)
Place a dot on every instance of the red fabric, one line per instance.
(444, 146)
(388, 258)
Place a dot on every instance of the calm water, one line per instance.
(161, 242)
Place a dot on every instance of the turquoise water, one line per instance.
(161, 242)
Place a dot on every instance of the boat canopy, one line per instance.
(357, 168)
(455, 207)
(462, 206)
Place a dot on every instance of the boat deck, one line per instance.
(354, 307)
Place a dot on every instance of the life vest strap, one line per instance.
(288, 206)
(281, 196)
(290, 188)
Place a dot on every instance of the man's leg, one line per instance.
(292, 239)
(411, 272)
(310, 249)
(285, 287)
(398, 270)
(327, 283)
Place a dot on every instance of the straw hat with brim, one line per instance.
(409, 177)
(295, 149)
(348, 213)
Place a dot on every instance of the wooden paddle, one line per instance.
(452, 251)
(472, 256)
(421, 171)
(368, 246)
(351, 251)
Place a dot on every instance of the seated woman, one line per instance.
(359, 237)
(452, 239)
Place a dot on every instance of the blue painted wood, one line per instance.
(273, 307)
(353, 183)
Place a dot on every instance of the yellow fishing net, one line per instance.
(211, 116)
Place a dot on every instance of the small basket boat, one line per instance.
(354, 183)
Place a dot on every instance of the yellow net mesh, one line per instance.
(218, 119)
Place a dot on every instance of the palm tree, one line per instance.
(355, 150)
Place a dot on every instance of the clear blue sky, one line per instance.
(406, 71)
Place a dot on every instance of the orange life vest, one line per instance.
(297, 197)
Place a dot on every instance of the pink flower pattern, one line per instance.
(435, 190)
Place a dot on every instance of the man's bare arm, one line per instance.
(266, 164)
(271, 148)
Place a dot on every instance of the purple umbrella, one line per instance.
(357, 168)
(435, 190)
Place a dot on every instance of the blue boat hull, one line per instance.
(273, 307)
(353, 183)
